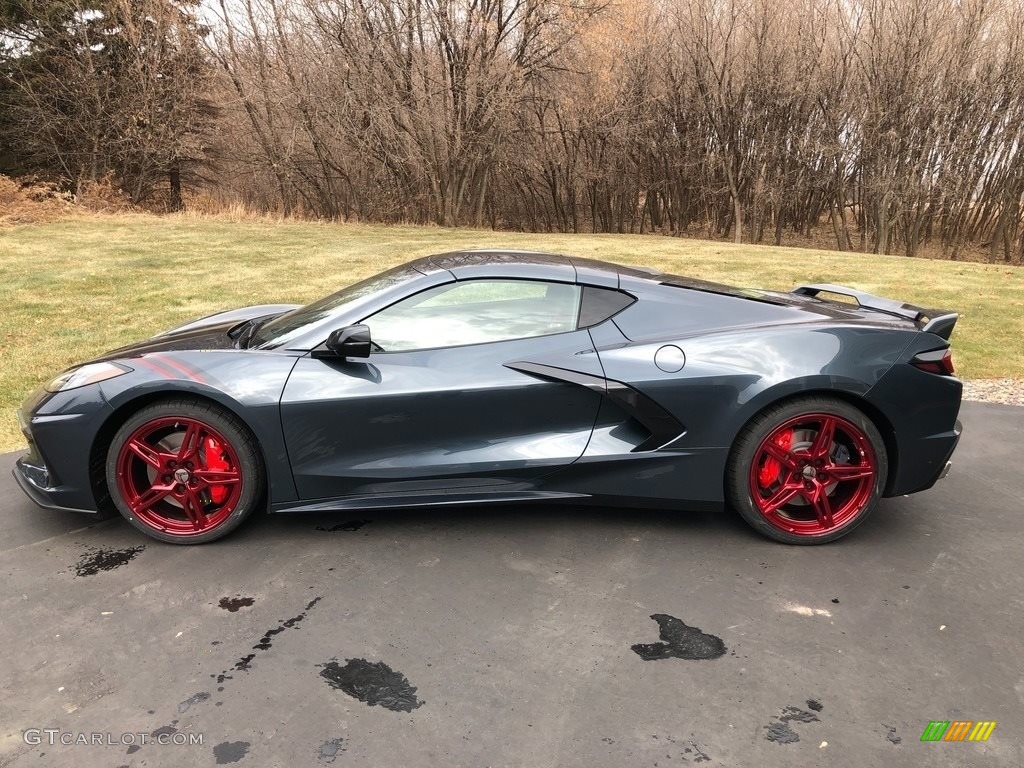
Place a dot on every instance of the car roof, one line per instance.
(538, 265)
(475, 257)
(531, 265)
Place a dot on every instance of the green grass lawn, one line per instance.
(74, 288)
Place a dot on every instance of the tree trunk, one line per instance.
(175, 202)
(838, 227)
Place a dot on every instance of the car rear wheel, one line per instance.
(807, 471)
(184, 471)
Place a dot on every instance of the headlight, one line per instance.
(87, 374)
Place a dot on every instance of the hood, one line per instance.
(207, 337)
(211, 332)
(234, 316)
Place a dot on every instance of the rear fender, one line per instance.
(729, 377)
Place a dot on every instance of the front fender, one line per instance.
(247, 383)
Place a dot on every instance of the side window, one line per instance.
(601, 303)
(476, 312)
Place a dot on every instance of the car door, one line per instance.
(436, 406)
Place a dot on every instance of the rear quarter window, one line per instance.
(598, 304)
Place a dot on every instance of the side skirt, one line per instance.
(435, 499)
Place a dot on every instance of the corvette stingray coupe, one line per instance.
(498, 376)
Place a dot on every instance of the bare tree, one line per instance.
(895, 126)
(112, 87)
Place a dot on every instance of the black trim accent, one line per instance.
(942, 325)
(39, 497)
(662, 425)
(596, 383)
(598, 304)
(704, 286)
(437, 498)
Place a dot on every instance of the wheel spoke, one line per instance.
(822, 445)
(147, 453)
(193, 507)
(822, 506)
(781, 455)
(780, 497)
(150, 497)
(843, 472)
(190, 442)
(217, 476)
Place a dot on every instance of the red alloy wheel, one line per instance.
(179, 476)
(813, 474)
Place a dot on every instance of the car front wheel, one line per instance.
(184, 471)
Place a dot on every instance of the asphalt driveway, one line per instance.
(504, 637)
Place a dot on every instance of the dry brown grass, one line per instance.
(821, 238)
(75, 287)
(104, 196)
(31, 202)
(27, 201)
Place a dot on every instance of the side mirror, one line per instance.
(353, 341)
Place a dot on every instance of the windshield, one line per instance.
(290, 325)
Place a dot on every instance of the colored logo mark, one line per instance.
(958, 730)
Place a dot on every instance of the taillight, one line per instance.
(938, 361)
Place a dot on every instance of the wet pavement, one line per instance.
(524, 636)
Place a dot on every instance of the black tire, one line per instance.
(738, 478)
(244, 444)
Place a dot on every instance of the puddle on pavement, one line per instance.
(680, 641)
(196, 698)
(230, 751)
(330, 750)
(348, 525)
(232, 604)
(244, 664)
(781, 732)
(97, 560)
(373, 683)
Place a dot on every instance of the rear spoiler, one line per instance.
(937, 321)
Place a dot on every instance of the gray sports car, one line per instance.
(498, 376)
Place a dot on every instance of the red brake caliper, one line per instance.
(216, 461)
(772, 467)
